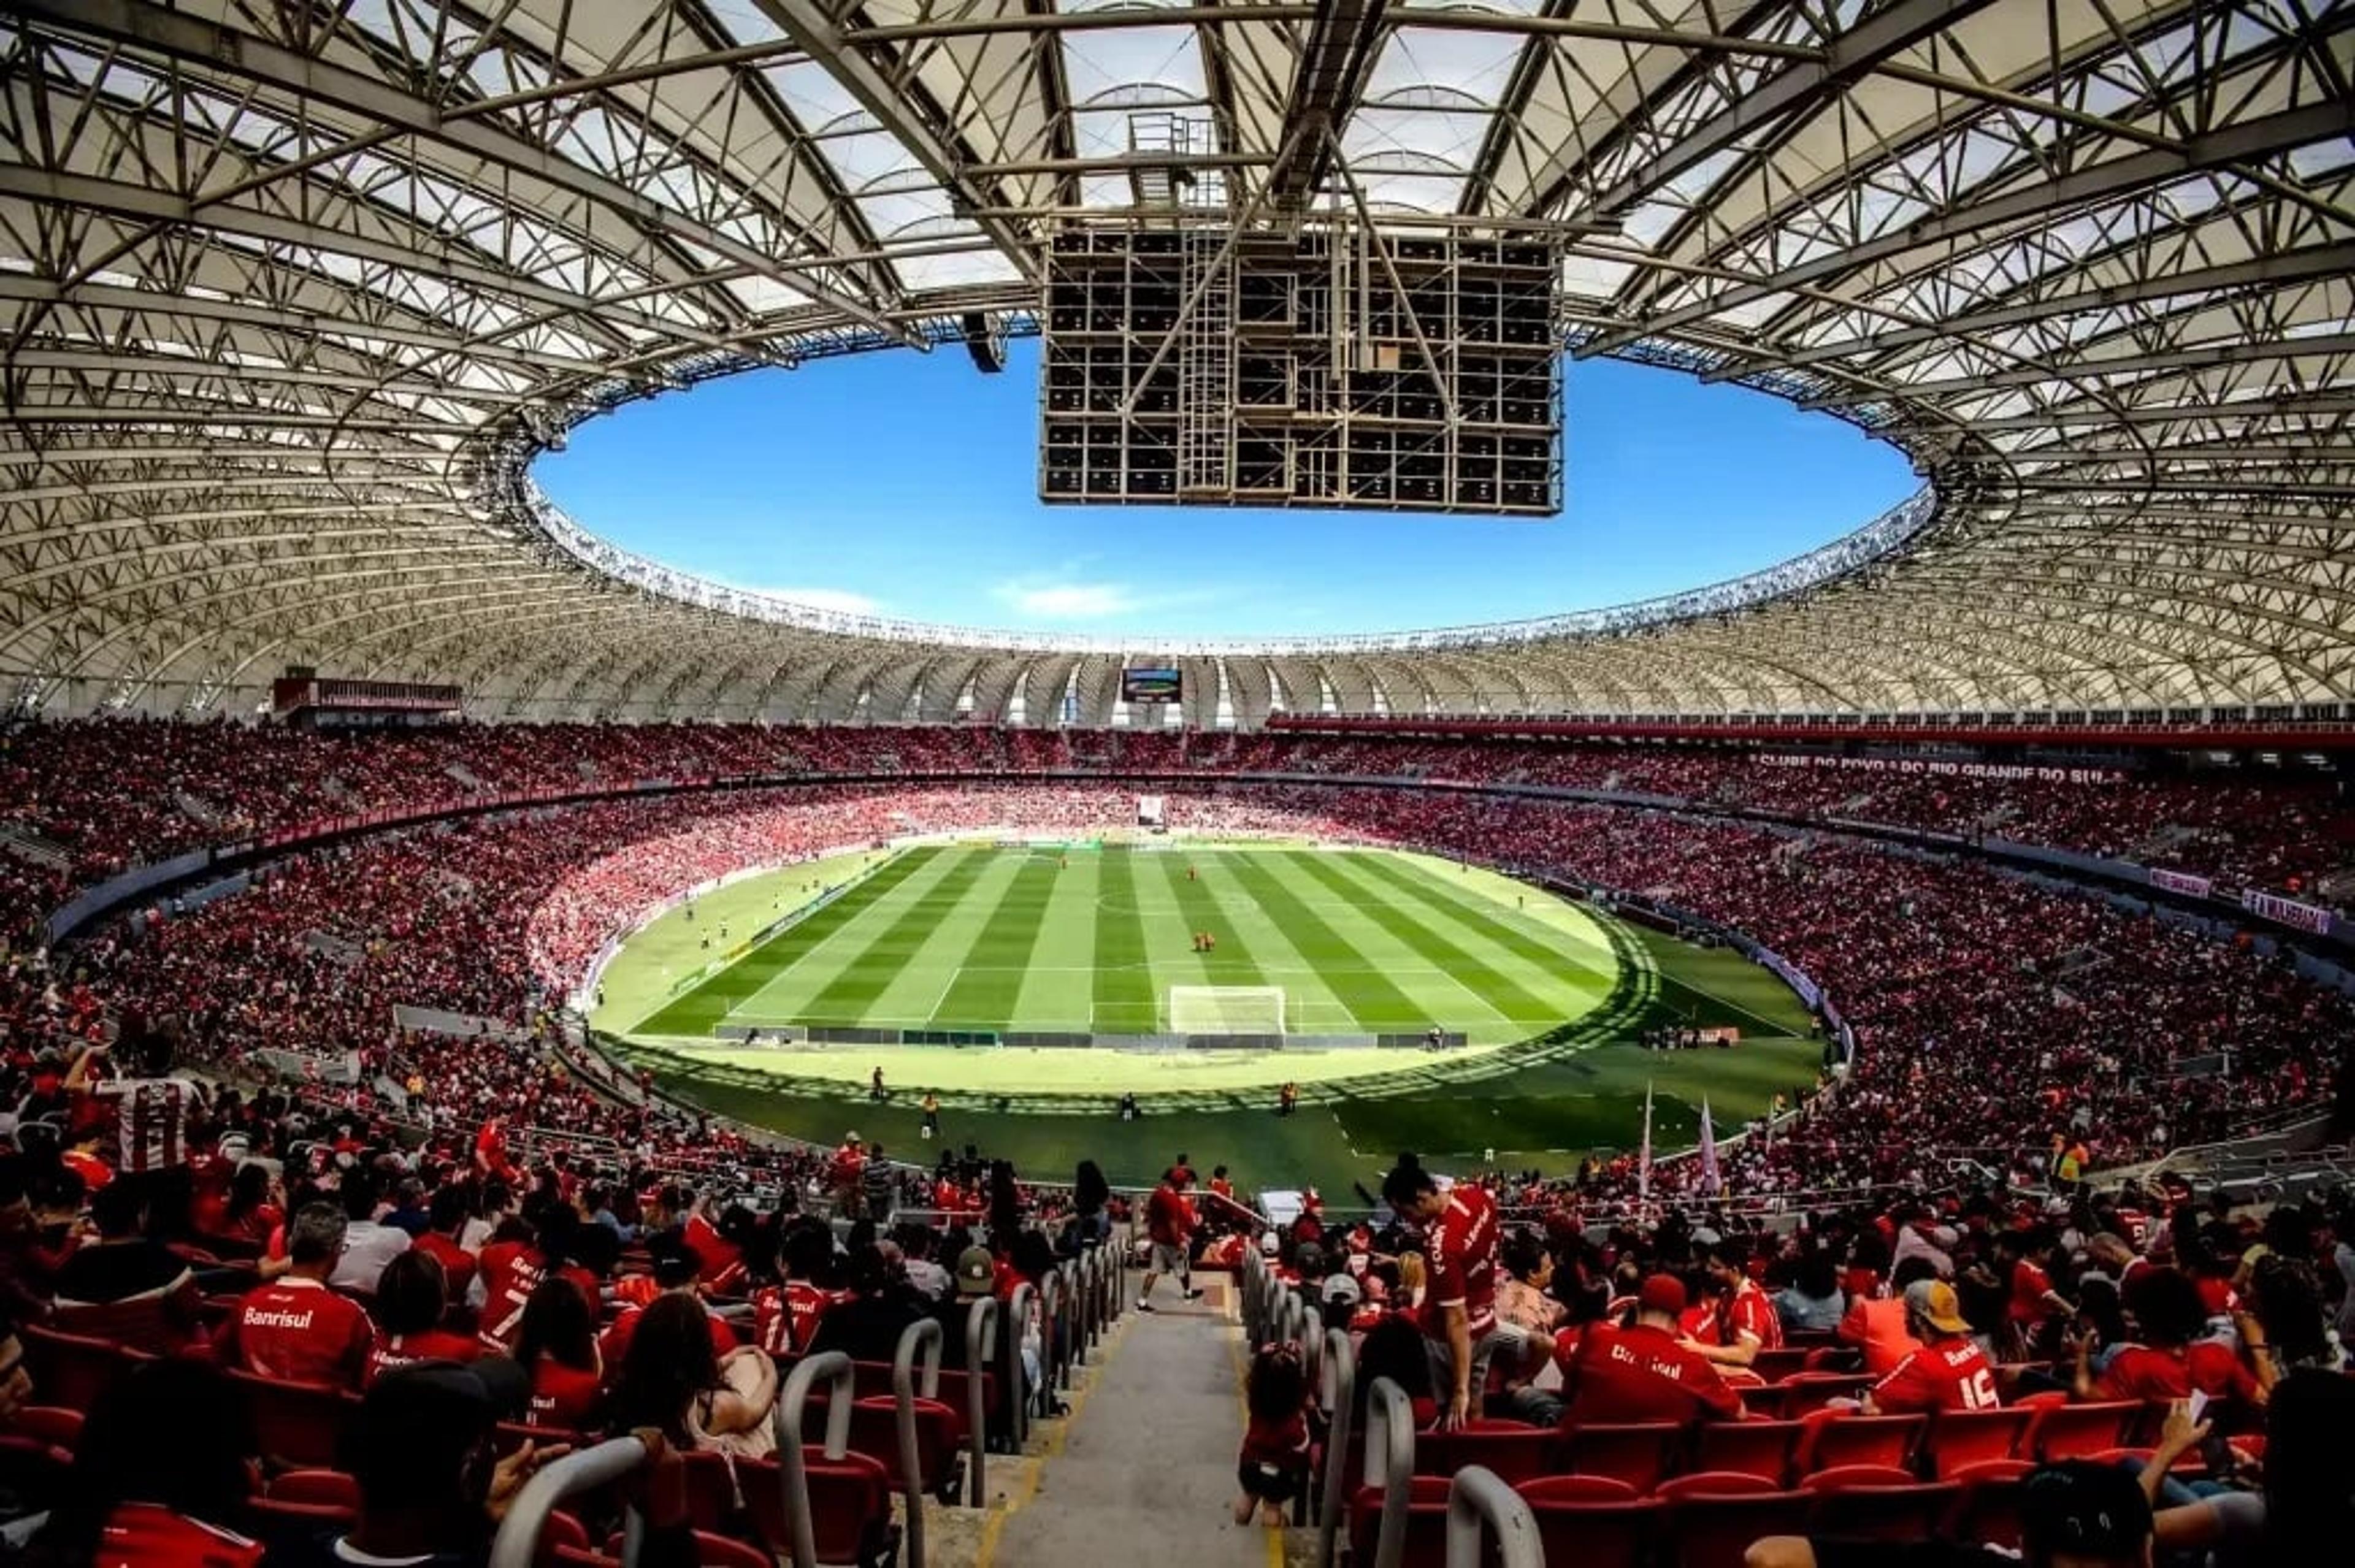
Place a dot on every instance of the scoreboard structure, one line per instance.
(1322, 365)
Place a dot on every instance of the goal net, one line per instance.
(1226, 1009)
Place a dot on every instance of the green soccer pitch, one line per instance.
(988, 940)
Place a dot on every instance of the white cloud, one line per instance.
(1044, 601)
(840, 600)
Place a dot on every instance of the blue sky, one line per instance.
(906, 485)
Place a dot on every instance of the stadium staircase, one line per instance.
(1143, 1468)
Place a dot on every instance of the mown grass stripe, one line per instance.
(1377, 1004)
(866, 975)
(1126, 1000)
(989, 975)
(1499, 990)
(710, 1003)
(1231, 962)
(1482, 913)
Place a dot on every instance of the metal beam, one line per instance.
(2250, 139)
(2257, 271)
(807, 24)
(188, 39)
(1330, 75)
(1889, 31)
(2236, 351)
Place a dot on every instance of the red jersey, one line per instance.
(562, 1395)
(433, 1345)
(1749, 1314)
(1642, 1374)
(458, 1265)
(511, 1272)
(1222, 1187)
(2139, 1372)
(1880, 1326)
(722, 1260)
(2029, 1286)
(1953, 1374)
(615, 1343)
(297, 1330)
(1461, 1253)
(149, 1535)
(784, 1317)
(1281, 1444)
(1168, 1218)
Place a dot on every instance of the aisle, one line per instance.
(1147, 1473)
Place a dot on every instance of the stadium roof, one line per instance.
(292, 292)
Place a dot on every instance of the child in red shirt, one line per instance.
(1275, 1462)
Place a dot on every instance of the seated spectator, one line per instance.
(158, 1477)
(674, 1383)
(1948, 1372)
(678, 1272)
(294, 1328)
(2307, 1496)
(446, 1217)
(558, 1350)
(2171, 1360)
(1881, 1326)
(1646, 1371)
(369, 1243)
(1524, 1293)
(126, 1287)
(411, 1306)
(432, 1494)
(866, 1325)
(1813, 1302)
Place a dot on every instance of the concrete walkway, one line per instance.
(1145, 1474)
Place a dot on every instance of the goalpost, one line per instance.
(1226, 1009)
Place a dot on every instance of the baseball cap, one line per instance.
(1938, 1306)
(1342, 1289)
(1662, 1293)
(851, 1137)
(976, 1271)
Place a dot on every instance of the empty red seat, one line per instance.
(332, 1488)
(1842, 1477)
(1426, 1523)
(2062, 1431)
(1960, 1439)
(1989, 1511)
(1516, 1453)
(1895, 1507)
(1776, 1365)
(1593, 1521)
(1713, 1529)
(269, 1517)
(72, 1369)
(296, 1425)
(52, 1423)
(712, 1549)
(850, 1502)
(1807, 1392)
(1760, 1448)
(1638, 1453)
(1834, 1438)
(1714, 1484)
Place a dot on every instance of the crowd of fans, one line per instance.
(85, 800)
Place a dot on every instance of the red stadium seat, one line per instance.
(1714, 1484)
(1592, 1521)
(1843, 1478)
(1961, 1439)
(52, 1423)
(1760, 1448)
(2062, 1431)
(1988, 1512)
(850, 1502)
(1516, 1453)
(1807, 1392)
(332, 1488)
(1773, 1366)
(1426, 1523)
(1638, 1453)
(296, 1425)
(1713, 1529)
(72, 1369)
(267, 1517)
(1835, 1439)
(712, 1549)
(1898, 1509)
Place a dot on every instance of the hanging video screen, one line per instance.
(1150, 683)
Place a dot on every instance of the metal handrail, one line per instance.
(517, 1541)
(1478, 1497)
(841, 1386)
(1254, 1285)
(1053, 1303)
(980, 1345)
(1389, 1464)
(920, 1337)
(1019, 1302)
(1336, 1386)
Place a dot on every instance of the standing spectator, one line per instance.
(877, 1186)
(1459, 1319)
(446, 1217)
(295, 1328)
(1170, 1222)
(848, 1169)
